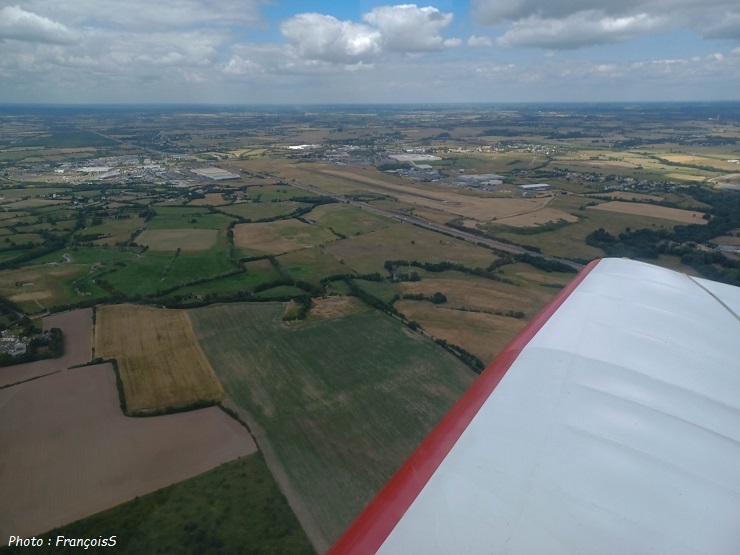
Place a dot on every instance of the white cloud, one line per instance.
(578, 30)
(578, 23)
(725, 27)
(202, 50)
(479, 41)
(324, 37)
(405, 28)
(19, 24)
(145, 14)
(409, 28)
(240, 66)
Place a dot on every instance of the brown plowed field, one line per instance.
(160, 361)
(68, 451)
(76, 326)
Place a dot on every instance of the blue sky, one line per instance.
(261, 51)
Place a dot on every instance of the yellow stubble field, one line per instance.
(160, 362)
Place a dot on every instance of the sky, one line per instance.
(344, 51)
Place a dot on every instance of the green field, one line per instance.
(197, 217)
(380, 289)
(367, 253)
(349, 220)
(336, 404)
(279, 237)
(258, 273)
(281, 292)
(261, 210)
(119, 231)
(235, 508)
(268, 193)
(156, 271)
(311, 264)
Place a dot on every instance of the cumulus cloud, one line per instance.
(479, 41)
(324, 37)
(498, 11)
(144, 14)
(240, 66)
(578, 23)
(726, 27)
(19, 24)
(405, 28)
(409, 28)
(577, 30)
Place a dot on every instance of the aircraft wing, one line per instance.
(611, 424)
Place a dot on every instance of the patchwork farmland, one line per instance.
(161, 365)
(335, 297)
(336, 404)
(69, 452)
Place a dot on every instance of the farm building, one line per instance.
(534, 187)
(217, 174)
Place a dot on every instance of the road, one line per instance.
(421, 222)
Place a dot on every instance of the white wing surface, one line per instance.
(611, 424)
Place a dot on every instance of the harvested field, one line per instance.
(685, 176)
(280, 237)
(349, 220)
(706, 161)
(311, 264)
(260, 210)
(476, 293)
(77, 330)
(161, 364)
(32, 203)
(211, 199)
(69, 452)
(663, 212)
(601, 163)
(35, 296)
(30, 285)
(173, 239)
(538, 217)
(728, 240)
(437, 216)
(117, 231)
(367, 253)
(482, 334)
(334, 307)
(624, 195)
(526, 273)
(336, 404)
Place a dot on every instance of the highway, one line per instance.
(415, 220)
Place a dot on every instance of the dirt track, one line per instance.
(76, 326)
(68, 451)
